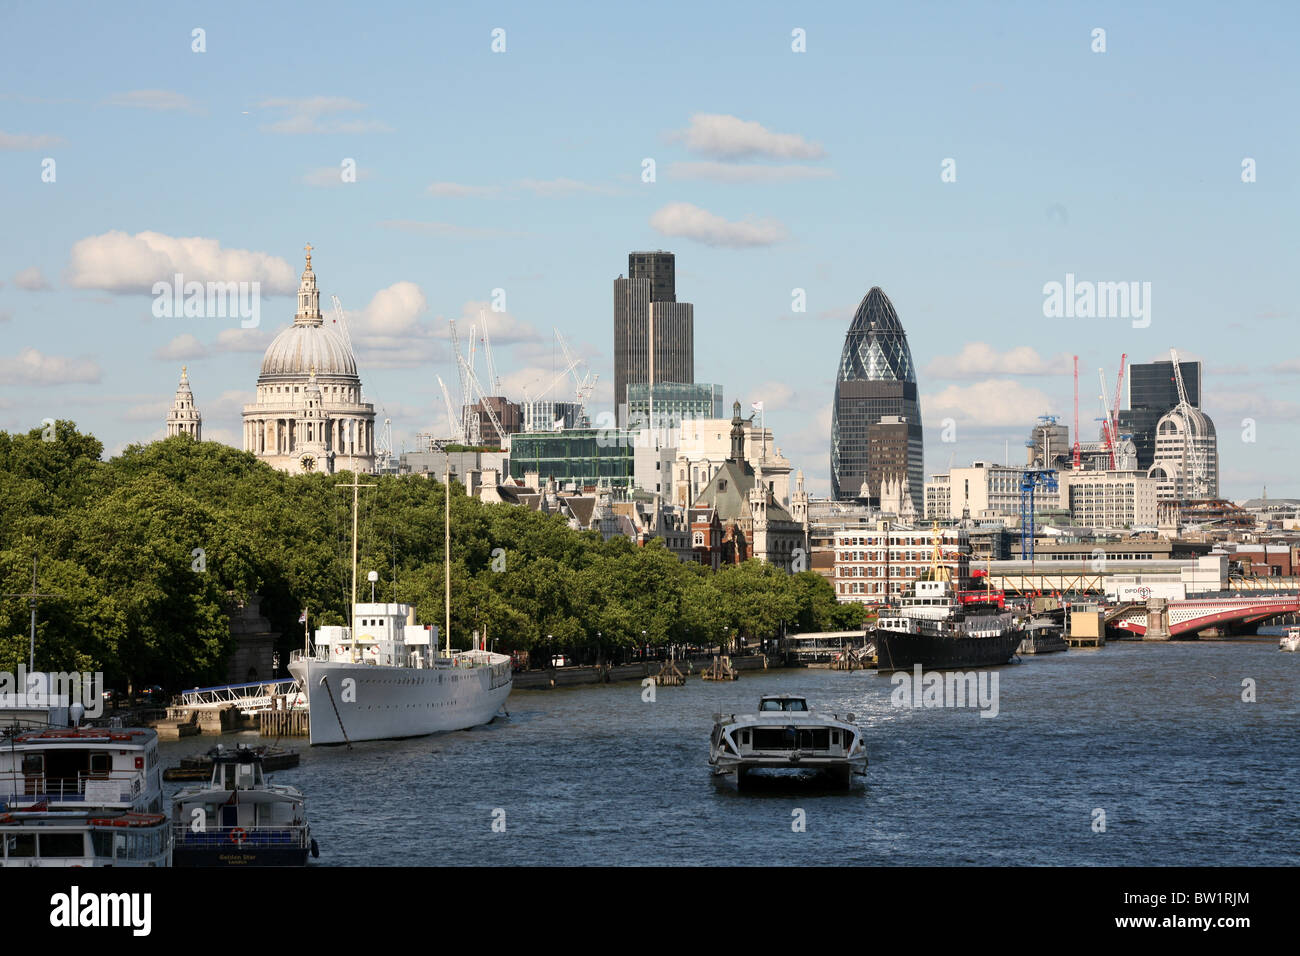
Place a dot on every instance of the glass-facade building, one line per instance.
(1152, 392)
(876, 380)
(673, 402)
(576, 458)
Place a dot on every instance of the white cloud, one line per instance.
(462, 191)
(32, 280)
(182, 347)
(733, 173)
(395, 310)
(153, 100)
(242, 340)
(503, 327)
(997, 402)
(772, 394)
(317, 114)
(16, 141)
(980, 358)
(729, 137)
(117, 262)
(1224, 407)
(31, 367)
(187, 346)
(683, 220)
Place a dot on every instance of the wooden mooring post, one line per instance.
(669, 675)
(284, 723)
(720, 669)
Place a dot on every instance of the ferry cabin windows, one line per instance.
(46, 846)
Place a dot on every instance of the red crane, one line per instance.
(1076, 413)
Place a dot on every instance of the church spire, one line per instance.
(184, 418)
(308, 296)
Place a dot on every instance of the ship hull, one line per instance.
(388, 703)
(897, 650)
(239, 856)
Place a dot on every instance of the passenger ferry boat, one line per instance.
(239, 819)
(930, 627)
(787, 734)
(82, 796)
(1290, 640)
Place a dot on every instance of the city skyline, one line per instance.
(230, 160)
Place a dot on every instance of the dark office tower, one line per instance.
(1152, 391)
(875, 393)
(660, 268)
(646, 298)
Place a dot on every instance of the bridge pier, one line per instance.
(1157, 620)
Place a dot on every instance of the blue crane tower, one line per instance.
(1031, 479)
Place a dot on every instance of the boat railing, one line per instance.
(66, 789)
(235, 837)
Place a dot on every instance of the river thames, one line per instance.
(1155, 737)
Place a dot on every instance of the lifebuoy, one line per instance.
(238, 835)
(340, 649)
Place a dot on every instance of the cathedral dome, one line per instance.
(300, 348)
(309, 343)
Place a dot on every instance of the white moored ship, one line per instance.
(386, 682)
(382, 678)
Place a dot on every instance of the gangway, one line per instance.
(249, 698)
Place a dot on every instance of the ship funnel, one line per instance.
(410, 615)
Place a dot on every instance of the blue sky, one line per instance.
(775, 171)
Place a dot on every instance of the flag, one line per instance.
(756, 406)
(302, 618)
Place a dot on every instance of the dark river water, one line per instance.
(1156, 736)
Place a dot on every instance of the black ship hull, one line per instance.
(897, 650)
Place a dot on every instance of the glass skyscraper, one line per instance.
(876, 380)
(1152, 392)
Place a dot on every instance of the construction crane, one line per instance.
(1077, 446)
(494, 382)
(1031, 479)
(583, 387)
(465, 427)
(483, 402)
(1106, 434)
(341, 322)
(455, 422)
(1119, 391)
(1193, 471)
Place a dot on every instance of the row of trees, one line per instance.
(144, 554)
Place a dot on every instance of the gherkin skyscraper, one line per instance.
(876, 420)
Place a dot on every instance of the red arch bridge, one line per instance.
(1160, 620)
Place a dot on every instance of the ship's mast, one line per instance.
(356, 487)
(446, 559)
